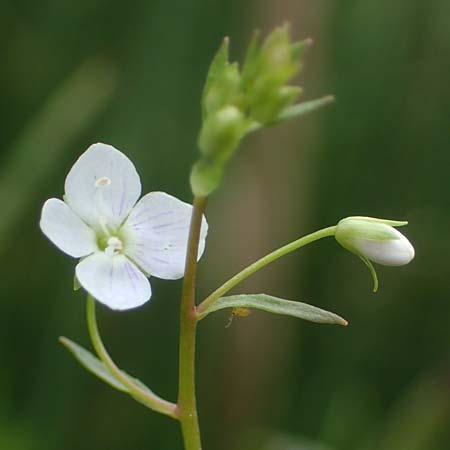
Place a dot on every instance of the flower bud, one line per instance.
(267, 70)
(222, 132)
(223, 90)
(219, 138)
(375, 240)
(266, 108)
(206, 176)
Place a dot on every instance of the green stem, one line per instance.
(146, 397)
(264, 261)
(187, 405)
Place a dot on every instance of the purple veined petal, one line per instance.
(114, 281)
(66, 230)
(156, 234)
(102, 186)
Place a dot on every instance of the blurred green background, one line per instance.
(130, 74)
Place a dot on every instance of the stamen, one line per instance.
(114, 245)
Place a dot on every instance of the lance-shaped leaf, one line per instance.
(92, 363)
(297, 110)
(303, 108)
(134, 387)
(97, 367)
(274, 305)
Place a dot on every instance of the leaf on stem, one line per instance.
(97, 367)
(275, 305)
(92, 363)
(300, 109)
(304, 108)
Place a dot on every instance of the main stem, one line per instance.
(187, 404)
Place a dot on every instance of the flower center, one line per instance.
(113, 245)
(108, 241)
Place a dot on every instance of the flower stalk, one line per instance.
(187, 404)
(262, 262)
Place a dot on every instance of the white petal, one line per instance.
(156, 234)
(114, 281)
(102, 185)
(66, 230)
(392, 252)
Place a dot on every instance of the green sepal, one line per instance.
(352, 228)
(275, 305)
(216, 70)
(372, 271)
(251, 58)
(391, 223)
(76, 283)
(275, 60)
(298, 48)
(92, 364)
(223, 91)
(267, 107)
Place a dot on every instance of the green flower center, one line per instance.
(110, 244)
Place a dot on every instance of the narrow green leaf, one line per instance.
(98, 368)
(294, 111)
(92, 363)
(304, 108)
(275, 305)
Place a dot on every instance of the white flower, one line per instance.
(375, 240)
(121, 242)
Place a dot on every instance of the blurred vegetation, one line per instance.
(74, 73)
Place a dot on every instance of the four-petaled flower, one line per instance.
(120, 242)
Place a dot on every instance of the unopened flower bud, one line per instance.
(222, 132)
(266, 108)
(375, 240)
(224, 89)
(267, 70)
